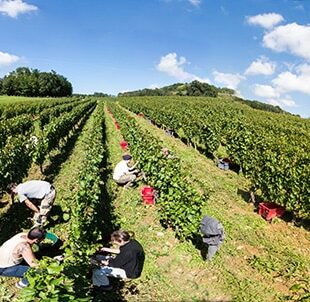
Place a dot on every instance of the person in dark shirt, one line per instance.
(127, 264)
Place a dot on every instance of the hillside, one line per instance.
(196, 88)
(258, 261)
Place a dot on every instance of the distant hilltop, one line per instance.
(196, 88)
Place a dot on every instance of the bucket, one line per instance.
(50, 240)
(51, 237)
(148, 195)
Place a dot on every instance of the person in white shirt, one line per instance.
(17, 249)
(35, 190)
(124, 175)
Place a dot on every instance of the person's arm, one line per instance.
(111, 250)
(132, 171)
(28, 255)
(134, 166)
(31, 206)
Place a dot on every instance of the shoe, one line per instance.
(20, 284)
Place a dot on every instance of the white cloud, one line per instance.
(195, 2)
(174, 66)
(7, 59)
(261, 66)
(286, 102)
(266, 91)
(13, 8)
(289, 82)
(303, 69)
(230, 80)
(267, 21)
(292, 38)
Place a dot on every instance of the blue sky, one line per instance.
(259, 48)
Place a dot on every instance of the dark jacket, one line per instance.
(131, 259)
(212, 231)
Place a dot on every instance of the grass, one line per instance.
(173, 270)
(5, 99)
(257, 262)
(281, 249)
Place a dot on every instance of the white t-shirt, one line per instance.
(7, 257)
(33, 189)
(120, 170)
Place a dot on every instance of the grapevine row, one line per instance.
(272, 149)
(180, 204)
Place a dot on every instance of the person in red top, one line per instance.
(128, 262)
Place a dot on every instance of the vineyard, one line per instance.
(74, 143)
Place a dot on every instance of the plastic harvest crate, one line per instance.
(269, 210)
(124, 145)
(148, 195)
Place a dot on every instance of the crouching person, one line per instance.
(123, 174)
(213, 234)
(127, 264)
(17, 249)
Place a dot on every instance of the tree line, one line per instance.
(32, 83)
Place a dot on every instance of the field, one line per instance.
(259, 261)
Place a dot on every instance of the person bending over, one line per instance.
(17, 249)
(127, 264)
(33, 192)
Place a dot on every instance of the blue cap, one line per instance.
(127, 157)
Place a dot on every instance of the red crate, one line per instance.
(124, 145)
(269, 210)
(148, 195)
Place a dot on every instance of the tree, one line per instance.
(31, 82)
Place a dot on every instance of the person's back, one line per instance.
(120, 169)
(9, 254)
(36, 189)
(17, 249)
(131, 259)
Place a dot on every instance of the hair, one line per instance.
(10, 187)
(36, 233)
(122, 235)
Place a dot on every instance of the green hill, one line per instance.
(196, 88)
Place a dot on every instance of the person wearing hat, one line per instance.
(123, 174)
(32, 193)
(18, 249)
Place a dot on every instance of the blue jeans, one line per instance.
(100, 275)
(15, 271)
